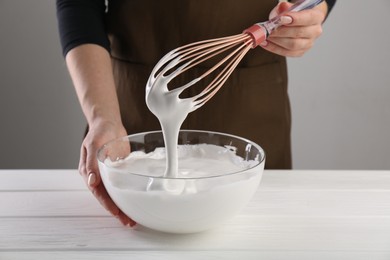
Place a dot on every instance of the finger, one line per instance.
(82, 168)
(92, 167)
(301, 18)
(99, 191)
(308, 32)
(124, 149)
(125, 220)
(306, 17)
(292, 44)
(280, 50)
(102, 196)
(279, 9)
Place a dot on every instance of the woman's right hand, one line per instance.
(98, 134)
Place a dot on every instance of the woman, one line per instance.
(111, 50)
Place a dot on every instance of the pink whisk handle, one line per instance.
(258, 34)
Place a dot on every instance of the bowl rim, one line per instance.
(127, 137)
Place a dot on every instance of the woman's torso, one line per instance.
(253, 103)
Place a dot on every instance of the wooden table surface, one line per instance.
(50, 214)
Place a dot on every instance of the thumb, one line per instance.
(279, 9)
(92, 169)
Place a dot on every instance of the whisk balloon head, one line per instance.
(186, 57)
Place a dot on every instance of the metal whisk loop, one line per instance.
(206, 50)
(188, 56)
(213, 87)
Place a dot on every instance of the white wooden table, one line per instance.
(49, 214)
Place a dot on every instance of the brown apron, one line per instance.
(252, 104)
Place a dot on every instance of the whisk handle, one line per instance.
(259, 32)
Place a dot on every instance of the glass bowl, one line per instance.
(187, 203)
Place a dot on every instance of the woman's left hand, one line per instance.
(299, 30)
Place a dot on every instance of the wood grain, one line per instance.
(50, 214)
(193, 255)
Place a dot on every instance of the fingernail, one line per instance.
(286, 19)
(127, 223)
(132, 223)
(91, 179)
(264, 43)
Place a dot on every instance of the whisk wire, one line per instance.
(220, 79)
(201, 53)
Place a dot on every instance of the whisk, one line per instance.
(183, 58)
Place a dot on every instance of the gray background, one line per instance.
(339, 91)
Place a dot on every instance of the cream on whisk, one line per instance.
(171, 112)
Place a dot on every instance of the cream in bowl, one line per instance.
(217, 176)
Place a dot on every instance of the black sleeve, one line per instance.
(80, 22)
(330, 4)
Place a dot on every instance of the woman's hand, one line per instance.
(90, 68)
(98, 134)
(299, 30)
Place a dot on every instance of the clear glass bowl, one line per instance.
(185, 204)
